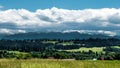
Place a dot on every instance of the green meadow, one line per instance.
(94, 49)
(57, 63)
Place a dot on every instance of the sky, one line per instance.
(33, 5)
(84, 16)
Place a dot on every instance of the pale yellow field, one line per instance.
(52, 63)
(94, 49)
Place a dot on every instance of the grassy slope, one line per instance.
(116, 46)
(44, 63)
(94, 49)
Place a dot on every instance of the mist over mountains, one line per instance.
(91, 21)
(55, 35)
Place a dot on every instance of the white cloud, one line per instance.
(109, 33)
(10, 31)
(107, 19)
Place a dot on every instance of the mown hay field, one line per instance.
(94, 49)
(54, 63)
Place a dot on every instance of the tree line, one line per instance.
(35, 48)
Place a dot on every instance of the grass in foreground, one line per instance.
(51, 63)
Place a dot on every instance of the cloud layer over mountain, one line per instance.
(55, 19)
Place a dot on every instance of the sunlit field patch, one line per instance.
(56, 63)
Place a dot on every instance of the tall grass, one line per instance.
(51, 63)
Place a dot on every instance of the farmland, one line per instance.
(57, 63)
(79, 49)
(94, 49)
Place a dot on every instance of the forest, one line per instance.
(56, 49)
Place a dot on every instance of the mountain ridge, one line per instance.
(56, 35)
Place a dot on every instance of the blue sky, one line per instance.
(84, 16)
(65, 4)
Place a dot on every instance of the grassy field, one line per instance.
(116, 46)
(52, 63)
(66, 43)
(53, 42)
(94, 49)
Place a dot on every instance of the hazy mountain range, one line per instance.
(55, 35)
